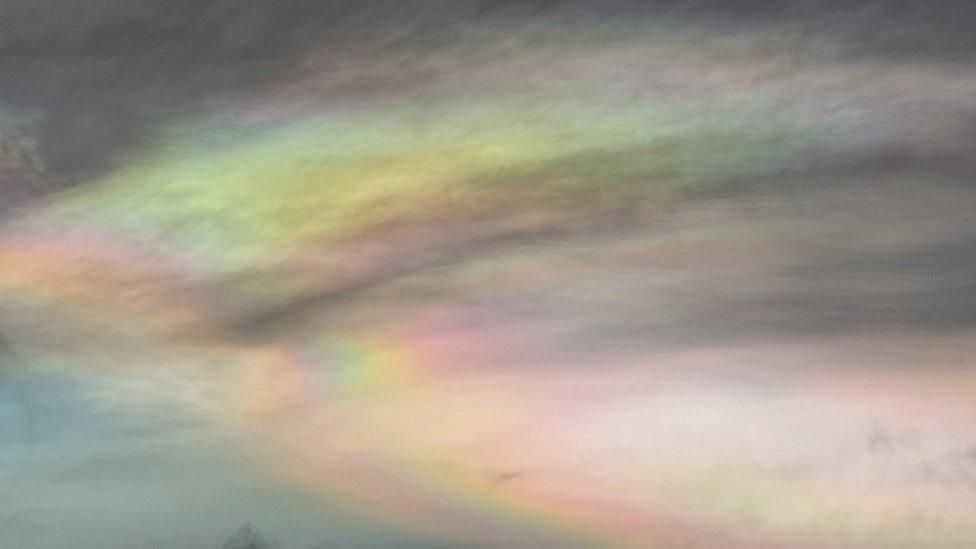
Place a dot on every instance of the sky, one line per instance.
(487, 273)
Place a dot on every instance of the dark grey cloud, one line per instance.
(102, 73)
